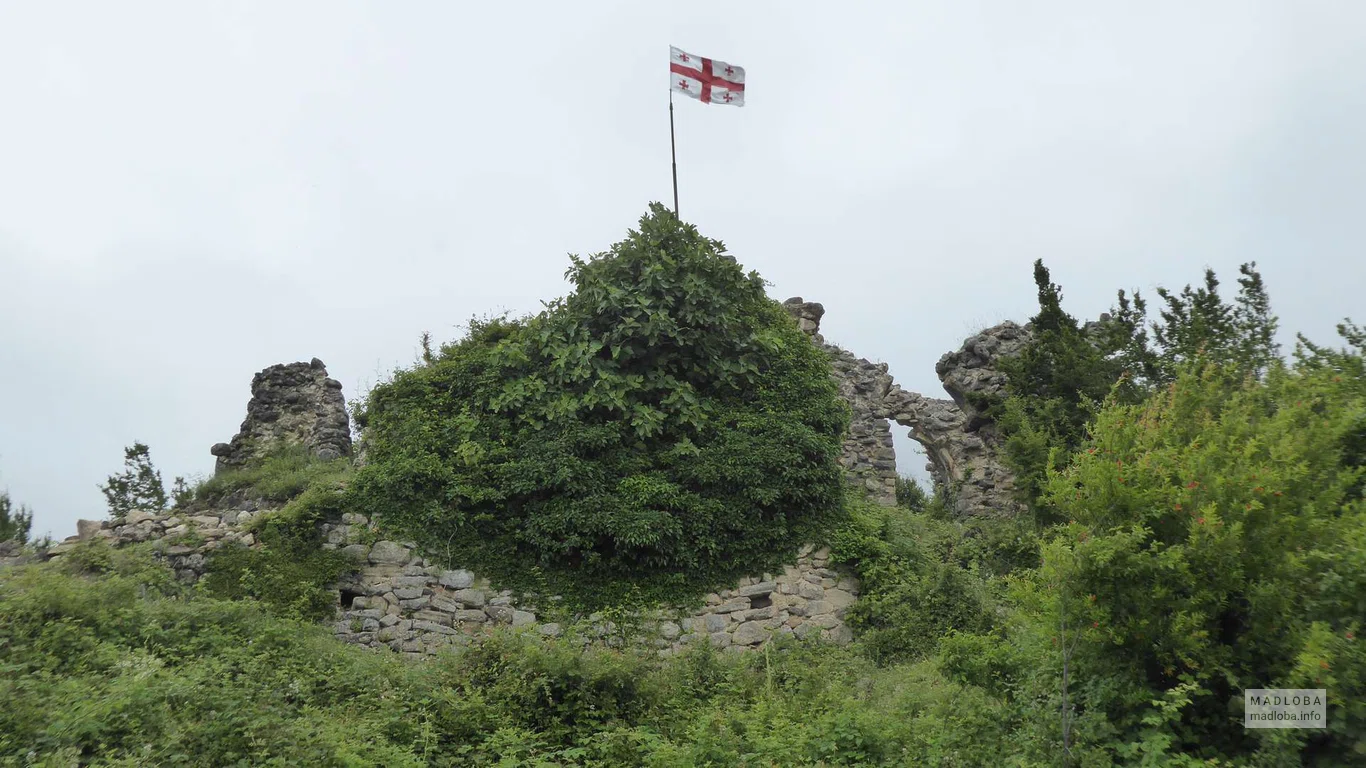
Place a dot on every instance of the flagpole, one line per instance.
(673, 150)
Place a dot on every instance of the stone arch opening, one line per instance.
(959, 443)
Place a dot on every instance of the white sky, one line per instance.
(192, 191)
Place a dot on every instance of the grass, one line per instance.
(278, 477)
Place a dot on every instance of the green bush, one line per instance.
(666, 427)
(1213, 543)
(918, 581)
(909, 494)
(290, 573)
(1057, 383)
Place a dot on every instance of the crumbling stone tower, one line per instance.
(293, 404)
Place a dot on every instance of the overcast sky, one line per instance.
(192, 191)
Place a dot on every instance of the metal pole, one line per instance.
(673, 151)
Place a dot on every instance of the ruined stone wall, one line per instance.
(400, 601)
(962, 447)
(291, 404)
(404, 602)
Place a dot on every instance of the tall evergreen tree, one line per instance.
(1058, 380)
(1197, 324)
(1254, 325)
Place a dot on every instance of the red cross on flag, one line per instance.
(709, 81)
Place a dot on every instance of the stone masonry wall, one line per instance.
(404, 602)
(400, 601)
(963, 449)
(291, 404)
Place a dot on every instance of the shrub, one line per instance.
(1215, 544)
(1056, 384)
(915, 585)
(909, 494)
(290, 573)
(666, 425)
(129, 669)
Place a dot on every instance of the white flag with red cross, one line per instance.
(707, 80)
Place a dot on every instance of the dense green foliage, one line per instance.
(1214, 541)
(1197, 325)
(16, 522)
(1200, 529)
(1217, 542)
(917, 581)
(909, 494)
(662, 429)
(131, 669)
(290, 573)
(1059, 380)
(138, 486)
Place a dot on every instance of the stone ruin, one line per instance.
(291, 405)
(400, 600)
(297, 404)
(963, 447)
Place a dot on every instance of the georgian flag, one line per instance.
(711, 82)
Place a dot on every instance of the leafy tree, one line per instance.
(1215, 543)
(917, 581)
(910, 495)
(137, 487)
(1195, 323)
(666, 423)
(1123, 337)
(1348, 365)
(1254, 326)
(1347, 361)
(15, 522)
(290, 573)
(1059, 380)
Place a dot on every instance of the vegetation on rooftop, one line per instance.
(663, 429)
